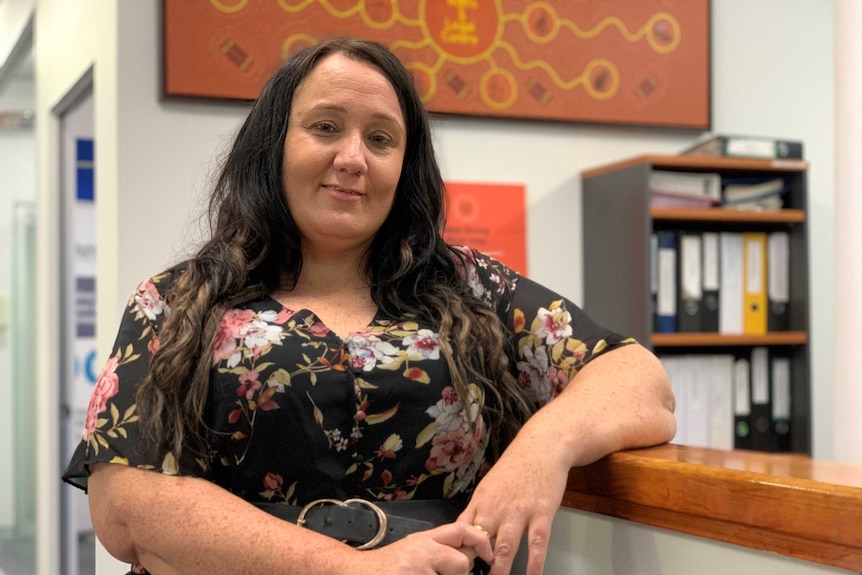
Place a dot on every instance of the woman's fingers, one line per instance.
(461, 535)
(506, 540)
(446, 550)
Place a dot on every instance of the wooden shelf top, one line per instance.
(690, 339)
(781, 503)
(790, 216)
(702, 163)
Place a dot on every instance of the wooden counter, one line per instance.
(787, 504)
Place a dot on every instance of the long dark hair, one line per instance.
(254, 249)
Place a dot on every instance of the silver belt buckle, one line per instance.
(382, 523)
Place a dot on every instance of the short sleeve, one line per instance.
(551, 337)
(111, 430)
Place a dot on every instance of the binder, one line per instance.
(666, 297)
(746, 147)
(689, 309)
(711, 278)
(705, 187)
(754, 193)
(673, 365)
(730, 290)
(742, 404)
(761, 406)
(754, 281)
(778, 281)
(653, 280)
(781, 437)
(721, 412)
(697, 382)
(703, 388)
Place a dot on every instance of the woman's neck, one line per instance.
(331, 275)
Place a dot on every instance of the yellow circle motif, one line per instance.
(487, 77)
(220, 6)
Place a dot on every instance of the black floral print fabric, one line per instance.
(298, 413)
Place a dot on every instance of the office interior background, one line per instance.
(781, 68)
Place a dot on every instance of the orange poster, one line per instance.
(638, 62)
(490, 218)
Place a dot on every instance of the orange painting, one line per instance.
(490, 218)
(637, 62)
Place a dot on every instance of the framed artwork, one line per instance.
(631, 62)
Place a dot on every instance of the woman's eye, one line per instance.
(381, 140)
(325, 127)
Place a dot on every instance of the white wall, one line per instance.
(69, 39)
(848, 233)
(14, 17)
(773, 75)
(17, 184)
(591, 544)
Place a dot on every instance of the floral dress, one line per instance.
(298, 413)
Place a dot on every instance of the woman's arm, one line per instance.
(621, 399)
(185, 525)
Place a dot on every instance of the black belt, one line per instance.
(368, 524)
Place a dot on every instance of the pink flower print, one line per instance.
(474, 282)
(106, 388)
(318, 328)
(559, 380)
(368, 350)
(423, 343)
(534, 369)
(273, 481)
(282, 316)
(554, 325)
(232, 323)
(148, 301)
(451, 451)
(248, 384)
(153, 345)
(535, 373)
(259, 335)
(448, 412)
(397, 495)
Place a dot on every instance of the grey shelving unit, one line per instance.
(618, 222)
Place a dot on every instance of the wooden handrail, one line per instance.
(786, 504)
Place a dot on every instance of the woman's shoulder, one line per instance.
(488, 278)
(153, 296)
(164, 282)
(470, 258)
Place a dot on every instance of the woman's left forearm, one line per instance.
(620, 400)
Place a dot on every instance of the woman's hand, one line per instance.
(446, 550)
(621, 399)
(519, 496)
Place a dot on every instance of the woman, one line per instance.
(326, 345)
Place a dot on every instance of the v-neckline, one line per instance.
(317, 319)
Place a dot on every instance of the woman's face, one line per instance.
(342, 154)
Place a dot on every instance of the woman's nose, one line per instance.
(350, 156)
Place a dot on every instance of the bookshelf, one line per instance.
(618, 222)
